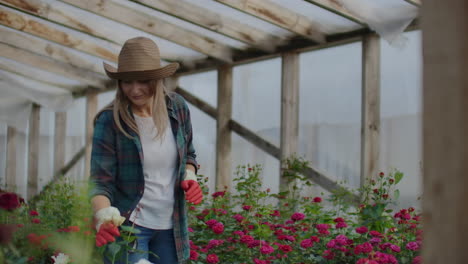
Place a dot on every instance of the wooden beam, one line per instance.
(46, 31)
(255, 139)
(10, 179)
(200, 104)
(417, 3)
(279, 16)
(370, 117)
(328, 184)
(47, 49)
(59, 140)
(154, 25)
(289, 109)
(33, 148)
(91, 111)
(223, 132)
(445, 130)
(41, 62)
(339, 9)
(213, 21)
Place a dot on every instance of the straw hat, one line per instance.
(139, 59)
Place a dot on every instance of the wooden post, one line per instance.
(59, 140)
(445, 131)
(33, 146)
(91, 111)
(370, 117)
(289, 108)
(223, 133)
(10, 180)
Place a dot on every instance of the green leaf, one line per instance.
(396, 195)
(130, 229)
(114, 249)
(398, 177)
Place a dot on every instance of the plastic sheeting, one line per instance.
(388, 18)
(18, 94)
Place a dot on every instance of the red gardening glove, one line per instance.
(193, 192)
(107, 233)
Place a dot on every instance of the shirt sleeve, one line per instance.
(191, 156)
(103, 157)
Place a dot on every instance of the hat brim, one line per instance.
(155, 74)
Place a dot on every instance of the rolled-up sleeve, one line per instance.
(103, 157)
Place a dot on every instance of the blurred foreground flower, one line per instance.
(61, 259)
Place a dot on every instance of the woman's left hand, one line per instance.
(193, 192)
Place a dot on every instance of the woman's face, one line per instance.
(138, 92)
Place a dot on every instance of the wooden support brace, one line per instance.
(91, 111)
(445, 131)
(11, 159)
(223, 133)
(370, 122)
(289, 108)
(59, 140)
(33, 146)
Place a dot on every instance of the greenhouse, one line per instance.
(325, 131)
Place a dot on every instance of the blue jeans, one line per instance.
(159, 242)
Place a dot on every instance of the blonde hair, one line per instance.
(121, 104)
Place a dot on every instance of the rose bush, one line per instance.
(54, 227)
(251, 225)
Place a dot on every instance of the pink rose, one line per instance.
(361, 230)
(212, 259)
(218, 228)
(412, 246)
(307, 243)
(246, 207)
(211, 222)
(193, 255)
(266, 249)
(246, 239)
(297, 216)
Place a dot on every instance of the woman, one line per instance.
(143, 161)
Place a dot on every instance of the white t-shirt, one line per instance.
(156, 207)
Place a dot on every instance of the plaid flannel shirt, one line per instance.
(117, 166)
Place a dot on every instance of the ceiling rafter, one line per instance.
(61, 15)
(156, 26)
(338, 8)
(279, 16)
(45, 48)
(51, 65)
(213, 21)
(37, 28)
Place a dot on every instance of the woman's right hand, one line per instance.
(107, 221)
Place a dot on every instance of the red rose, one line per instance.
(36, 221)
(33, 213)
(317, 200)
(10, 201)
